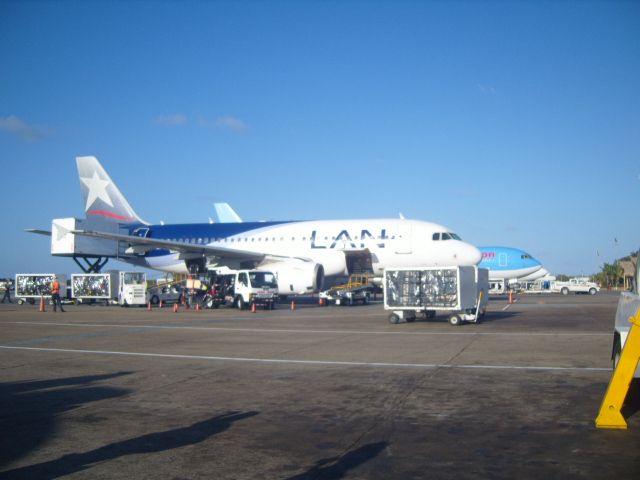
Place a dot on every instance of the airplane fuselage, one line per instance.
(389, 242)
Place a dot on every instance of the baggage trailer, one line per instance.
(89, 287)
(458, 291)
(123, 288)
(32, 286)
(628, 305)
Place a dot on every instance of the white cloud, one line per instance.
(171, 120)
(228, 123)
(487, 89)
(19, 128)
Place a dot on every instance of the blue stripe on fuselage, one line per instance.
(206, 232)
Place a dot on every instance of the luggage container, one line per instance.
(458, 291)
(32, 286)
(89, 287)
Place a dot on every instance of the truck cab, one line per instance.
(132, 289)
(242, 288)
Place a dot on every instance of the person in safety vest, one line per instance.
(55, 294)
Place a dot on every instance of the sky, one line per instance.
(512, 123)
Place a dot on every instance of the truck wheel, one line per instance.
(564, 291)
(240, 303)
(394, 319)
(154, 300)
(592, 291)
(455, 320)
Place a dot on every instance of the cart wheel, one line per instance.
(393, 318)
(455, 320)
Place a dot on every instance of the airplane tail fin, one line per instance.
(226, 214)
(102, 198)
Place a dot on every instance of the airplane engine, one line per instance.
(302, 277)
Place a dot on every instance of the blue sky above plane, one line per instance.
(512, 123)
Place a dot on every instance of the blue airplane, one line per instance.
(510, 263)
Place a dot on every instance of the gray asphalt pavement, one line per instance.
(315, 393)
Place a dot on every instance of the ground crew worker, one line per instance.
(55, 294)
(7, 294)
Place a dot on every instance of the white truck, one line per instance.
(132, 289)
(459, 291)
(29, 287)
(575, 285)
(241, 288)
(125, 288)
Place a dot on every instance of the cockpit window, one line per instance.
(445, 236)
(526, 257)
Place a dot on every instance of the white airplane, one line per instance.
(300, 253)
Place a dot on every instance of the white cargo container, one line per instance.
(408, 291)
(86, 287)
(628, 305)
(32, 286)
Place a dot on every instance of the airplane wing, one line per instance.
(152, 243)
(39, 232)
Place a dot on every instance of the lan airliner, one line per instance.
(300, 253)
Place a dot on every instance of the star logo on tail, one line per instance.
(97, 189)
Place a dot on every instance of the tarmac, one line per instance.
(312, 393)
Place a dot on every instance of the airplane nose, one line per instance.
(469, 255)
(475, 255)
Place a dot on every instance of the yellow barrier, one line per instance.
(610, 415)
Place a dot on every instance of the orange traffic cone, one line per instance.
(41, 309)
(175, 308)
(293, 305)
(321, 302)
(253, 308)
(197, 307)
(161, 303)
(510, 297)
(149, 308)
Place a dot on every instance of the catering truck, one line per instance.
(29, 287)
(461, 292)
(241, 288)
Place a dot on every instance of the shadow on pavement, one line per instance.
(29, 410)
(337, 467)
(149, 443)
